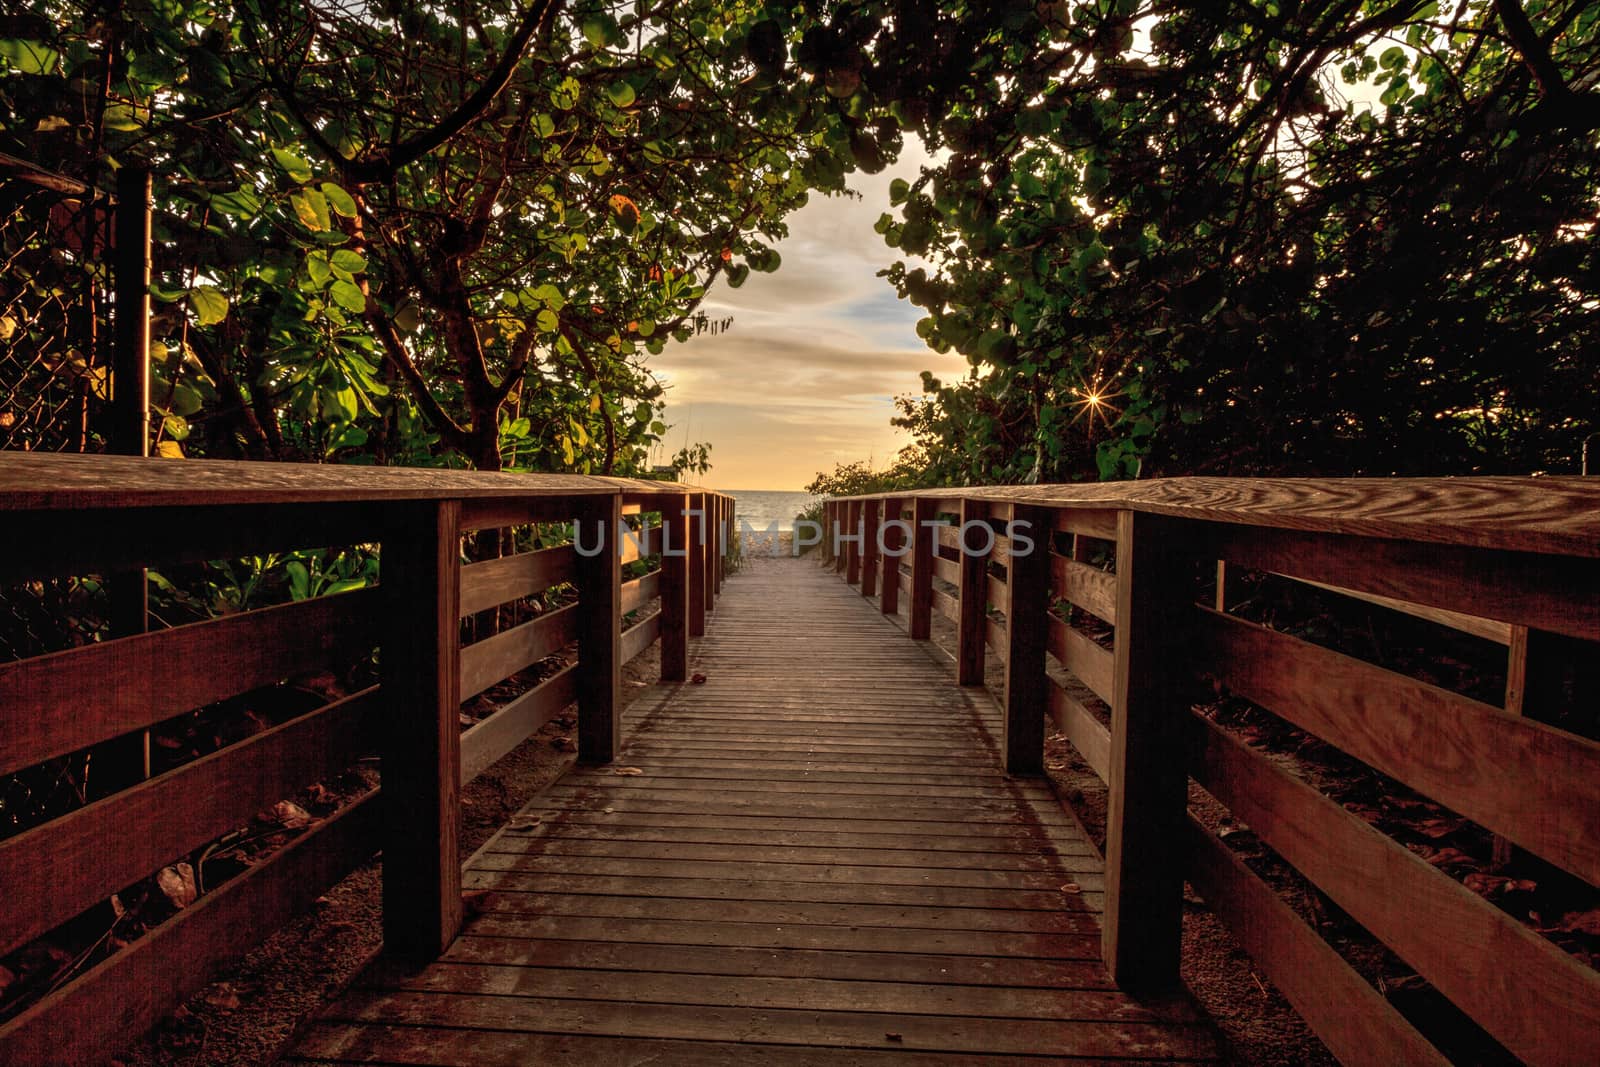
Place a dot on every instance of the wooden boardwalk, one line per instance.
(811, 858)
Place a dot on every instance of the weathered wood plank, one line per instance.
(1089, 588)
(1535, 784)
(640, 636)
(1087, 734)
(1353, 1019)
(112, 1004)
(485, 743)
(497, 581)
(494, 659)
(640, 591)
(155, 675)
(421, 680)
(1094, 666)
(1534, 998)
(98, 850)
(599, 642)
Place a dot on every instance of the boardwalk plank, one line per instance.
(815, 856)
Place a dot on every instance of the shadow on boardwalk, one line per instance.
(811, 858)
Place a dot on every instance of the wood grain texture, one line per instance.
(721, 907)
(1549, 592)
(1094, 666)
(640, 636)
(492, 738)
(896, 541)
(972, 630)
(1534, 998)
(1535, 784)
(640, 591)
(1087, 734)
(871, 523)
(1147, 803)
(494, 659)
(1488, 629)
(112, 1004)
(1353, 1019)
(1551, 515)
(599, 642)
(498, 581)
(698, 526)
(35, 480)
(1027, 593)
(156, 677)
(1089, 588)
(100, 849)
(421, 679)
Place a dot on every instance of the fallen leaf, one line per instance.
(7, 976)
(221, 996)
(563, 744)
(524, 823)
(291, 815)
(117, 908)
(892, 1036)
(1447, 856)
(1583, 922)
(1072, 887)
(626, 771)
(177, 882)
(698, 679)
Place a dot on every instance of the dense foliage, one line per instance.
(401, 232)
(1257, 236)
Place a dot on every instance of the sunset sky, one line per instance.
(808, 373)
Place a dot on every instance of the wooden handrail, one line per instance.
(1516, 561)
(76, 515)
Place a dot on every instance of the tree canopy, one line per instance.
(1260, 236)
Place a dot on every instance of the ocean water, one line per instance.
(759, 508)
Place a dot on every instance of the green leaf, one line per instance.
(293, 164)
(407, 318)
(312, 209)
(349, 262)
(317, 266)
(348, 295)
(29, 57)
(620, 94)
(240, 203)
(339, 200)
(209, 305)
(564, 97)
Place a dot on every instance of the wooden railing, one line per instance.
(76, 516)
(1516, 560)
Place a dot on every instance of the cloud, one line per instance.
(807, 375)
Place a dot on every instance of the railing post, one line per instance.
(697, 565)
(722, 546)
(599, 629)
(1149, 777)
(923, 541)
(1027, 602)
(852, 564)
(895, 541)
(836, 532)
(421, 682)
(870, 510)
(675, 589)
(713, 548)
(974, 622)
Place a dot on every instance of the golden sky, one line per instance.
(807, 375)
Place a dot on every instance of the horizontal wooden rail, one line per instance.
(115, 687)
(1530, 995)
(498, 581)
(1503, 772)
(1353, 1019)
(100, 849)
(640, 591)
(1091, 589)
(490, 740)
(639, 637)
(497, 658)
